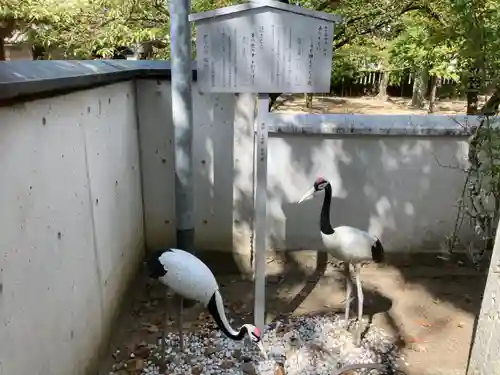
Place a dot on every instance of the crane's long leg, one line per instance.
(359, 292)
(347, 270)
(180, 322)
(165, 325)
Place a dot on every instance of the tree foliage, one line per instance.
(82, 28)
(102, 25)
(423, 45)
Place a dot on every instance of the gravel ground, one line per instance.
(427, 312)
(303, 345)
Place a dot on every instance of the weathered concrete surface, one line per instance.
(485, 353)
(71, 227)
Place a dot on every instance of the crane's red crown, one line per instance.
(319, 180)
(256, 331)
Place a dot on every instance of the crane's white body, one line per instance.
(349, 244)
(188, 276)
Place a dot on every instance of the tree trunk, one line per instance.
(473, 87)
(490, 108)
(382, 85)
(419, 89)
(6, 28)
(2, 49)
(38, 52)
(309, 100)
(472, 102)
(435, 81)
(272, 100)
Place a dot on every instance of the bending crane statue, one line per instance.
(190, 278)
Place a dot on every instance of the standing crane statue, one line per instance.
(349, 244)
(190, 278)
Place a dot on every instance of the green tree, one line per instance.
(425, 48)
(101, 26)
(478, 30)
(352, 59)
(83, 28)
(30, 16)
(364, 20)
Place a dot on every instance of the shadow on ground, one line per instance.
(428, 309)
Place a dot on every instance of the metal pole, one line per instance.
(260, 226)
(182, 116)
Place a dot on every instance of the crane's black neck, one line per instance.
(324, 219)
(154, 267)
(216, 309)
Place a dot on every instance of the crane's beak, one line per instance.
(308, 195)
(261, 347)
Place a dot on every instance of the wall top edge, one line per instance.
(377, 124)
(26, 78)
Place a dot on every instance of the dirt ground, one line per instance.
(429, 309)
(365, 105)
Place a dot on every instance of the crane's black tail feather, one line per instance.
(377, 252)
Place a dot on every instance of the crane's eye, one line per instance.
(321, 186)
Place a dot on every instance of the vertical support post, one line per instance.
(260, 225)
(182, 116)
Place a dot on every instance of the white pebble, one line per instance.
(321, 346)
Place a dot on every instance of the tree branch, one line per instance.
(385, 22)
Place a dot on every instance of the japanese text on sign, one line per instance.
(310, 64)
(318, 41)
(262, 146)
(278, 55)
(325, 40)
(206, 50)
(261, 37)
(252, 64)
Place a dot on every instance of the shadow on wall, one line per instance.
(213, 190)
(392, 187)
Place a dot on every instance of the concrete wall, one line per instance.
(71, 226)
(485, 352)
(213, 116)
(395, 182)
(391, 187)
